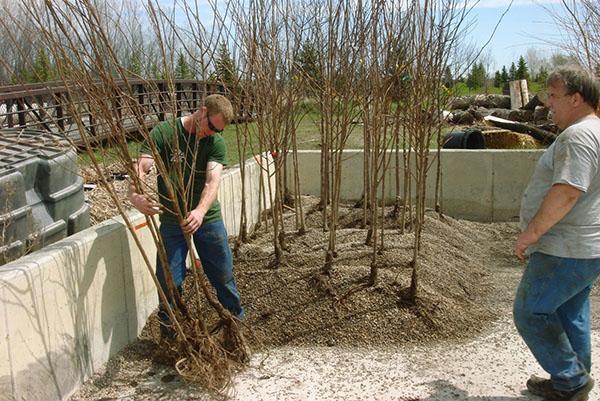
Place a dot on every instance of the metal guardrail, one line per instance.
(52, 107)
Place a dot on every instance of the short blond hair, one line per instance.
(219, 104)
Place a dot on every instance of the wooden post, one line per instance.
(60, 121)
(178, 90)
(118, 105)
(21, 112)
(141, 90)
(9, 114)
(519, 95)
(194, 97)
(161, 101)
(524, 92)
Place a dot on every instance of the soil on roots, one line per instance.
(295, 304)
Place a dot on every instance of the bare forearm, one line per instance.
(211, 187)
(135, 192)
(141, 168)
(208, 196)
(559, 201)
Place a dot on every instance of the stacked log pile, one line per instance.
(495, 110)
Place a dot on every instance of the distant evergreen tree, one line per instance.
(512, 72)
(225, 70)
(306, 64)
(41, 70)
(134, 66)
(156, 72)
(504, 75)
(522, 69)
(477, 76)
(182, 70)
(542, 75)
(497, 79)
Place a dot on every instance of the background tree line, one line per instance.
(531, 67)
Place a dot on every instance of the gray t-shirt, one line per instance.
(572, 159)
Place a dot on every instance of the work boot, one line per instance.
(540, 386)
(544, 388)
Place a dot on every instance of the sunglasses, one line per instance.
(211, 126)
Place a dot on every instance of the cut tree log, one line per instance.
(545, 137)
(519, 95)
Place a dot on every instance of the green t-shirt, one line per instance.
(208, 149)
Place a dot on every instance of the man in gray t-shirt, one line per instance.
(560, 223)
(572, 161)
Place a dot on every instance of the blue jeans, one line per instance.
(552, 314)
(213, 250)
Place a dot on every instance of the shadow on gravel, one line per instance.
(444, 391)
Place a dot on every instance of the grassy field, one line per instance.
(461, 89)
(107, 154)
(307, 133)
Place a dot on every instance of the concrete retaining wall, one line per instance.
(477, 185)
(67, 308)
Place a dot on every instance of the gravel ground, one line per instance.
(490, 367)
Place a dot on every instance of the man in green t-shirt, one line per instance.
(193, 152)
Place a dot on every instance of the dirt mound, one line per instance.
(295, 304)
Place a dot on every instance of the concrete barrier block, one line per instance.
(71, 302)
(221, 195)
(257, 193)
(512, 171)
(224, 188)
(270, 181)
(42, 335)
(250, 181)
(265, 172)
(249, 190)
(232, 210)
(309, 172)
(264, 194)
(430, 183)
(81, 300)
(467, 185)
(433, 162)
(390, 177)
(352, 176)
(6, 382)
(227, 204)
(236, 201)
(484, 185)
(140, 292)
(144, 288)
